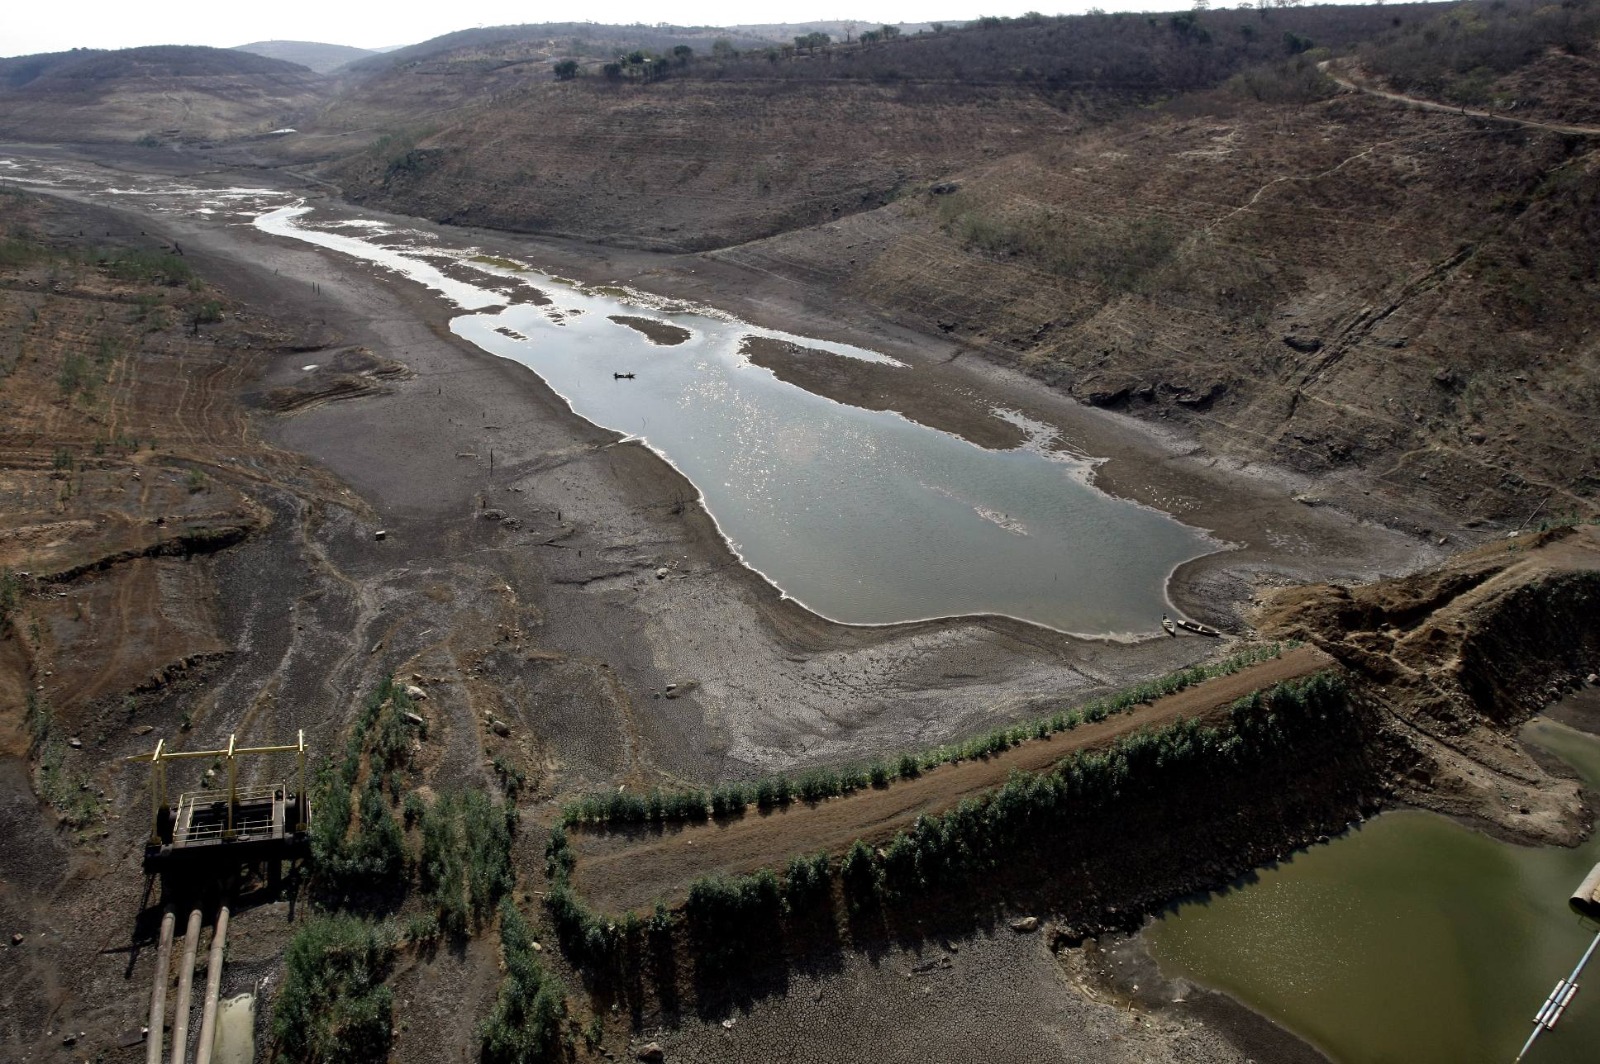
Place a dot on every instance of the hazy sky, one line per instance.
(28, 26)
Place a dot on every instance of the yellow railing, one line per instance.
(159, 803)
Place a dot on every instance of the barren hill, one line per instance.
(1182, 217)
(313, 55)
(164, 92)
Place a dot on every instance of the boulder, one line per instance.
(415, 693)
(1025, 925)
(500, 728)
(651, 1052)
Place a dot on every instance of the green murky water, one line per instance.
(1409, 940)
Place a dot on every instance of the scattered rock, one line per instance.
(1304, 344)
(75, 742)
(1025, 925)
(1306, 500)
(727, 1024)
(492, 514)
(500, 728)
(651, 1052)
(416, 693)
(946, 188)
(69, 1040)
(661, 573)
(16, 939)
(144, 729)
(414, 718)
(380, 534)
(1592, 678)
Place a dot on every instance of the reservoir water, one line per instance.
(1411, 939)
(860, 515)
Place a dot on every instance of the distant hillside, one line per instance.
(322, 58)
(167, 92)
(1181, 216)
(838, 29)
(553, 39)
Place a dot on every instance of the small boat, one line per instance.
(1166, 622)
(622, 376)
(1199, 629)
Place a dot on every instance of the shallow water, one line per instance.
(862, 516)
(1411, 939)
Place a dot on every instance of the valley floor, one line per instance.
(555, 625)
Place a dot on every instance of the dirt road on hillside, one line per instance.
(1345, 80)
(615, 873)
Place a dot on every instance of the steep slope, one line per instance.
(155, 94)
(689, 165)
(1345, 287)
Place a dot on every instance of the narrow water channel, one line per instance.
(1411, 939)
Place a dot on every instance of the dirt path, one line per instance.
(616, 873)
(1345, 81)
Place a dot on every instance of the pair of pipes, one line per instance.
(158, 997)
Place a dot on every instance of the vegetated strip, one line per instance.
(617, 874)
(729, 918)
(612, 808)
(445, 865)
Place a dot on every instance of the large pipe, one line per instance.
(155, 1039)
(1585, 900)
(208, 1014)
(180, 1019)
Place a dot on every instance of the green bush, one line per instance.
(525, 1026)
(333, 1005)
(807, 882)
(730, 916)
(10, 596)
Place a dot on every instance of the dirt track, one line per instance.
(614, 874)
(1346, 80)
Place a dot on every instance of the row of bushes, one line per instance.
(525, 1026)
(981, 833)
(463, 860)
(815, 785)
(728, 916)
(367, 851)
(465, 863)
